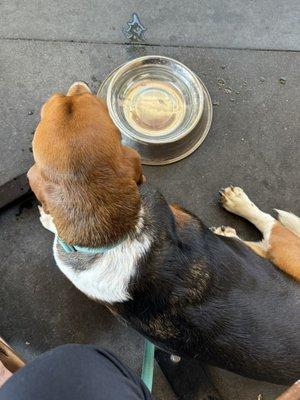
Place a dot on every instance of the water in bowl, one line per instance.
(153, 107)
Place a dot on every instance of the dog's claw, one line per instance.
(222, 197)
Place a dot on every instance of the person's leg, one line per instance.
(74, 372)
(5, 374)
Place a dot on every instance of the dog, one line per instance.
(192, 292)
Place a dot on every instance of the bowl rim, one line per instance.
(118, 72)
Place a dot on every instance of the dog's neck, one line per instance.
(105, 277)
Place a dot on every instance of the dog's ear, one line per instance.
(39, 186)
(133, 162)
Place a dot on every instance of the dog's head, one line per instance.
(83, 176)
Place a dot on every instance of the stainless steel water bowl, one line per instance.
(162, 109)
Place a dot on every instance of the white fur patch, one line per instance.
(47, 221)
(107, 279)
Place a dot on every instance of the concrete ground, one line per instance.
(253, 142)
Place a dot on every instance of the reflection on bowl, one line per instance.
(157, 104)
(153, 107)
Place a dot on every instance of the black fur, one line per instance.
(211, 298)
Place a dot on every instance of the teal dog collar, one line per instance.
(87, 250)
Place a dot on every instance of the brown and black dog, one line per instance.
(192, 292)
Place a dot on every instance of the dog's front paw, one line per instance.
(235, 200)
(225, 231)
(47, 221)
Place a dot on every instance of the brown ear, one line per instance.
(39, 186)
(134, 162)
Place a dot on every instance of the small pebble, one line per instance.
(216, 103)
(27, 343)
(228, 90)
(221, 81)
(245, 83)
(237, 92)
(223, 66)
(30, 112)
(262, 79)
(260, 397)
(282, 81)
(232, 100)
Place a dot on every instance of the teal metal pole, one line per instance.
(148, 364)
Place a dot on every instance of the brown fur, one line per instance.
(181, 216)
(284, 250)
(257, 248)
(83, 176)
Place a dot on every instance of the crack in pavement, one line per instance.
(145, 44)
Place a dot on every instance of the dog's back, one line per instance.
(214, 299)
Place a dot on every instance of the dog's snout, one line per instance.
(78, 88)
